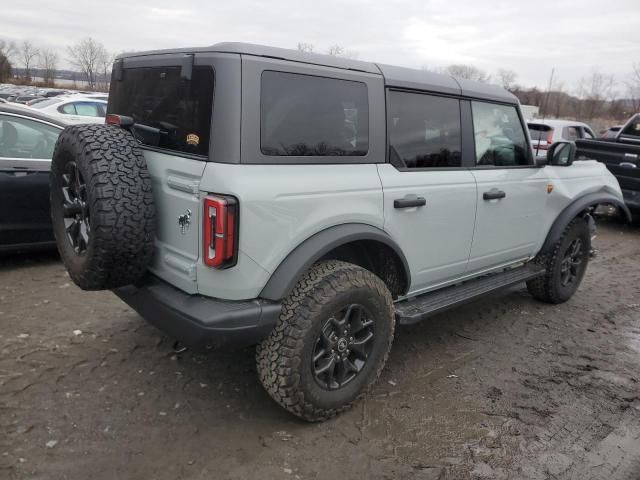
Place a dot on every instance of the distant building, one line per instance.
(529, 112)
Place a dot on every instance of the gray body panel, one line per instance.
(286, 201)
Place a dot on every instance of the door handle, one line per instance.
(627, 165)
(493, 194)
(409, 202)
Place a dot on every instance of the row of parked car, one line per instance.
(28, 133)
(69, 106)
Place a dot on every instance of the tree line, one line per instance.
(88, 56)
(595, 96)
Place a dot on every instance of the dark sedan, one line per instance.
(27, 140)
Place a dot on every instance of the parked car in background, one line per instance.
(546, 132)
(35, 100)
(24, 99)
(611, 132)
(74, 109)
(27, 140)
(621, 155)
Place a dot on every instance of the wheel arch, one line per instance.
(578, 207)
(362, 244)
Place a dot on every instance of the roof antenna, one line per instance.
(544, 105)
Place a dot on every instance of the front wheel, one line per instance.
(331, 341)
(565, 265)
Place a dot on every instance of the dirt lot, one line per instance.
(502, 388)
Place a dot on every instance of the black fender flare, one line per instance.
(313, 248)
(578, 206)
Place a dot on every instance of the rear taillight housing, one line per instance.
(550, 137)
(220, 231)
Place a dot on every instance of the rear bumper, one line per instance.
(632, 199)
(198, 321)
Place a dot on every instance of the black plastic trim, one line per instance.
(307, 253)
(198, 321)
(579, 206)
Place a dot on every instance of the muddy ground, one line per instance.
(502, 388)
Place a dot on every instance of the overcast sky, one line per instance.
(527, 37)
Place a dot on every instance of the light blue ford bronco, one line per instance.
(242, 194)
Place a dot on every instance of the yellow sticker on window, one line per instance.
(193, 139)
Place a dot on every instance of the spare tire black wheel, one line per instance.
(101, 206)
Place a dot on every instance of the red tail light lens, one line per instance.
(220, 231)
(112, 119)
(550, 136)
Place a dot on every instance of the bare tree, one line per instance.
(335, 50)
(105, 67)
(507, 78)
(468, 72)
(633, 87)
(305, 47)
(594, 90)
(48, 64)
(28, 53)
(7, 52)
(89, 56)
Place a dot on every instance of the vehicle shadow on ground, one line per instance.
(15, 260)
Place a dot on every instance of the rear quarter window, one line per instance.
(169, 112)
(305, 115)
(538, 132)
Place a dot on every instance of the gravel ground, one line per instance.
(502, 388)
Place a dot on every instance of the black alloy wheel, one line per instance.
(75, 208)
(571, 261)
(343, 347)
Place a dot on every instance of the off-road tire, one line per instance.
(548, 288)
(284, 357)
(119, 205)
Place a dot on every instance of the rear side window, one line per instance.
(169, 112)
(424, 131)
(633, 128)
(570, 133)
(304, 115)
(539, 132)
(499, 136)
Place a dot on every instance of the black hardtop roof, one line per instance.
(31, 113)
(399, 77)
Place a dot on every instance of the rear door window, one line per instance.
(169, 112)
(305, 115)
(424, 131)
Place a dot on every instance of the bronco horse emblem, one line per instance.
(184, 221)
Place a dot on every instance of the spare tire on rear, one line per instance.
(101, 206)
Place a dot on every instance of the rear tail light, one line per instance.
(220, 231)
(550, 137)
(118, 120)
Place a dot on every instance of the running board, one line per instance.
(420, 307)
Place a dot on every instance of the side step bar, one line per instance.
(418, 308)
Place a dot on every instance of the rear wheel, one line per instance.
(331, 341)
(565, 265)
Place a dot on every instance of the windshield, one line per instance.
(168, 112)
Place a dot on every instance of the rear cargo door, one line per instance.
(170, 98)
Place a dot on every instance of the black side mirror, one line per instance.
(541, 161)
(561, 153)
